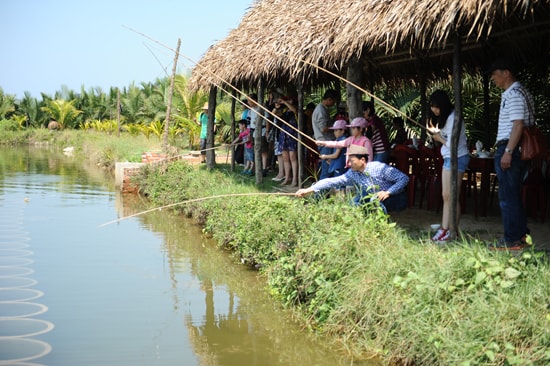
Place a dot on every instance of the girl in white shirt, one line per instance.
(441, 120)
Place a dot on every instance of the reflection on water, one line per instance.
(151, 290)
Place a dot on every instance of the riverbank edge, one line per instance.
(370, 287)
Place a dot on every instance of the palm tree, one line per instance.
(30, 107)
(133, 102)
(7, 104)
(62, 111)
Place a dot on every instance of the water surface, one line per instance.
(150, 290)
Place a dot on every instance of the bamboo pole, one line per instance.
(170, 93)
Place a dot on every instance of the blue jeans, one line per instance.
(393, 203)
(323, 150)
(510, 182)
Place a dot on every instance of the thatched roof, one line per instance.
(392, 36)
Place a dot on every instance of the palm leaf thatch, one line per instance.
(280, 39)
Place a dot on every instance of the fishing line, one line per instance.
(236, 89)
(197, 200)
(364, 91)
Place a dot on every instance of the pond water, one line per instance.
(150, 290)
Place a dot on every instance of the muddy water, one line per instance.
(151, 290)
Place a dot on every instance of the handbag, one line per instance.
(533, 143)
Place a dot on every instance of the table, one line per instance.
(484, 166)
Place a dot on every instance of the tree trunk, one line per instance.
(170, 93)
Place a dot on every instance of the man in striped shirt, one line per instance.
(374, 179)
(516, 111)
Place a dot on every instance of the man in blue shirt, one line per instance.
(375, 179)
(203, 122)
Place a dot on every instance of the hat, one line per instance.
(357, 150)
(205, 106)
(358, 122)
(503, 63)
(338, 125)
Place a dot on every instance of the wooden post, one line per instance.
(457, 127)
(423, 101)
(210, 152)
(258, 138)
(300, 148)
(234, 93)
(354, 95)
(486, 101)
(118, 112)
(170, 93)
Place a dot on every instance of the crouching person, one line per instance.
(372, 181)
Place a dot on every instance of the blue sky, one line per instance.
(49, 43)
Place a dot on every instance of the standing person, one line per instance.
(242, 139)
(321, 122)
(278, 149)
(441, 120)
(400, 133)
(288, 142)
(203, 122)
(380, 141)
(357, 137)
(516, 111)
(337, 159)
(371, 179)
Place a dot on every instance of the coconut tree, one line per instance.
(62, 111)
(187, 105)
(133, 101)
(7, 104)
(30, 108)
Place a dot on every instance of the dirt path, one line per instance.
(417, 222)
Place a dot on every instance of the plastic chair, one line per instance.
(533, 191)
(405, 159)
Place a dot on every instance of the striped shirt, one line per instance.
(376, 177)
(516, 104)
(380, 141)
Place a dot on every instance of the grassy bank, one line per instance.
(362, 280)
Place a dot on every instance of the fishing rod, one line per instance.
(380, 100)
(237, 90)
(196, 200)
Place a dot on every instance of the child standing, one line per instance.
(244, 138)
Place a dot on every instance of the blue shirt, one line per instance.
(377, 177)
(204, 125)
